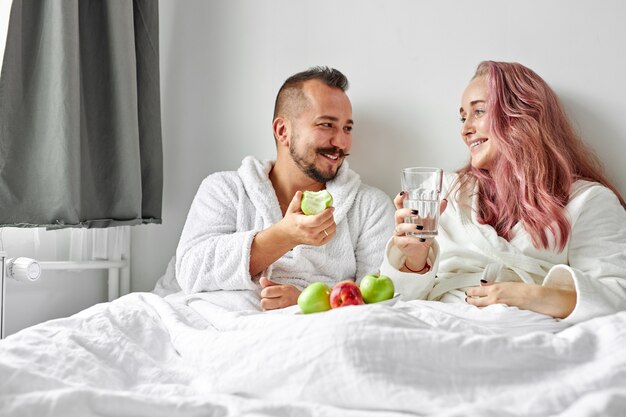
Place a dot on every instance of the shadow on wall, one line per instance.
(606, 140)
(375, 146)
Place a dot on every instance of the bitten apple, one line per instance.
(314, 202)
(376, 288)
(314, 298)
(345, 293)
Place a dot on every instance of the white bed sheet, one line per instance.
(144, 355)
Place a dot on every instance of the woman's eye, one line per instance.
(479, 112)
(462, 119)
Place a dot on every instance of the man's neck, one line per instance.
(286, 180)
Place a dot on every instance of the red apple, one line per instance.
(345, 293)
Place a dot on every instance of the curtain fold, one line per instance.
(80, 117)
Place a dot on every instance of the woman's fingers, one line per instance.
(406, 229)
(476, 292)
(398, 201)
(480, 295)
(478, 301)
(477, 296)
(403, 213)
(442, 206)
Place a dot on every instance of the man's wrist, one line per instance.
(281, 237)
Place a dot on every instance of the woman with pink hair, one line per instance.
(531, 222)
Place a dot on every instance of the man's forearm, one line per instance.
(267, 247)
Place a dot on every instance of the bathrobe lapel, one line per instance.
(499, 259)
(255, 177)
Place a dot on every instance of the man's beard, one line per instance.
(309, 168)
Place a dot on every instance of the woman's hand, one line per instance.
(414, 249)
(555, 302)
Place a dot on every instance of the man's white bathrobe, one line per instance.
(230, 208)
(593, 261)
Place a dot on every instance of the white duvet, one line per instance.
(144, 355)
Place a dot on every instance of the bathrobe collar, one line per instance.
(255, 177)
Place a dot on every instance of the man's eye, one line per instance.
(326, 124)
(348, 128)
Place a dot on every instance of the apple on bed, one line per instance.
(376, 288)
(314, 298)
(345, 293)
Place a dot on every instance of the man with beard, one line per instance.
(246, 234)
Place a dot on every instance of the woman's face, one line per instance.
(475, 129)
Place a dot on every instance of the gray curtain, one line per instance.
(80, 117)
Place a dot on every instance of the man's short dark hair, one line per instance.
(290, 99)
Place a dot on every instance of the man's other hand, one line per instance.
(274, 295)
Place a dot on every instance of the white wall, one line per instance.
(222, 63)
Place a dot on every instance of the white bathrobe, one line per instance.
(593, 261)
(230, 208)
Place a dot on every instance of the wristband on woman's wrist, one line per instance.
(425, 269)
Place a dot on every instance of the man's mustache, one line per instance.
(333, 151)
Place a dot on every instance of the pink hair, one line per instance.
(541, 156)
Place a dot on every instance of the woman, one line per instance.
(531, 222)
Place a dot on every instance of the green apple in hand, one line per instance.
(376, 288)
(314, 202)
(314, 298)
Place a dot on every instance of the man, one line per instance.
(245, 229)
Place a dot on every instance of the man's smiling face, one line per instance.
(322, 133)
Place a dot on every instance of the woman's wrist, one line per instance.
(423, 270)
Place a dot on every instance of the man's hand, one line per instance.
(555, 302)
(300, 229)
(275, 295)
(294, 229)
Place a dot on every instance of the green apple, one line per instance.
(314, 202)
(314, 298)
(376, 288)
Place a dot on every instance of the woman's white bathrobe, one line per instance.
(593, 261)
(230, 208)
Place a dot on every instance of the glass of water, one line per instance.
(423, 188)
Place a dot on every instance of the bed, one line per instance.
(165, 354)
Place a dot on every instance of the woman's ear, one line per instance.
(282, 128)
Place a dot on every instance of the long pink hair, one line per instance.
(540, 157)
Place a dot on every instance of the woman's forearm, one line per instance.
(555, 302)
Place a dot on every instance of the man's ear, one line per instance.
(282, 129)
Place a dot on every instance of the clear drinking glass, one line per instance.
(423, 187)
